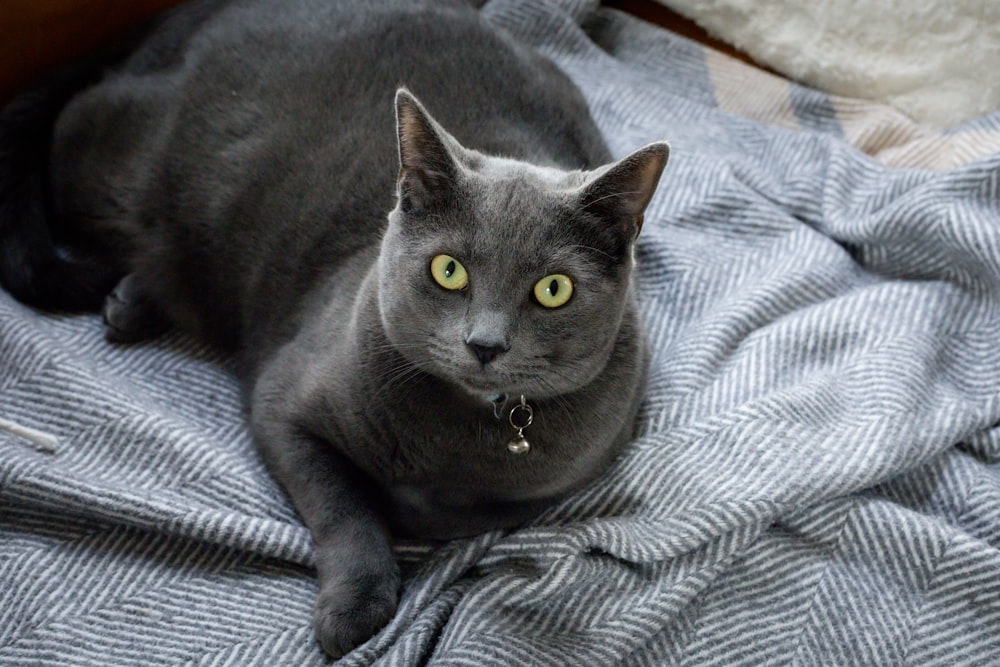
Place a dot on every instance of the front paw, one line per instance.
(350, 611)
(129, 315)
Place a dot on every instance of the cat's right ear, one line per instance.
(427, 167)
(621, 191)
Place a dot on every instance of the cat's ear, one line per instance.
(620, 192)
(427, 168)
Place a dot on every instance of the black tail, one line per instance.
(37, 264)
(34, 267)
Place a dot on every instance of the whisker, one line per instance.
(397, 377)
(613, 194)
(592, 249)
(557, 397)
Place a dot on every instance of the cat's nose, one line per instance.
(486, 351)
(487, 337)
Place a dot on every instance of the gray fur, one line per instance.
(245, 169)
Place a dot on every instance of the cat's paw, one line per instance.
(349, 613)
(129, 316)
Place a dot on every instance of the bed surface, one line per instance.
(816, 479)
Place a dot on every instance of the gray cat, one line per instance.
(437, 327)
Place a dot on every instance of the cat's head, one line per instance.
(503, 277)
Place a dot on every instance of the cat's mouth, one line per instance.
(485, 385)
(480, 381)
(503, 376)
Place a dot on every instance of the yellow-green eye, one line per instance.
(448, 272)
(554, 290)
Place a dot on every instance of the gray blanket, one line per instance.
(816, 480)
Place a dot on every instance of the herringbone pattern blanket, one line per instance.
(816, 480)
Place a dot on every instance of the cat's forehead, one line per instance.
(512, 190)
(500, 169)
(522, 210)
(508, 217)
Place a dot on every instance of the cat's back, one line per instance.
(328, 72)
(248, 143)
(309, 84)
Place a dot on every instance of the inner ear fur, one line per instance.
(427, 166)
(621, 191)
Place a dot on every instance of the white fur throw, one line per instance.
(938, 61)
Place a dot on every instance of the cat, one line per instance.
(434, 315)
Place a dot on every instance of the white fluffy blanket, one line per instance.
(936, 61)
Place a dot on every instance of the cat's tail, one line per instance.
(34, 265)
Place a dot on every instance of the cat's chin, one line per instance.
(484, 386)
(483, 383)
(482, 389)
(487, 390)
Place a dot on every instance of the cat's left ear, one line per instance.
(427, 168)
(621, 191)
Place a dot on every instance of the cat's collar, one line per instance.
(520, 417)
(496, 399)
(499, 402)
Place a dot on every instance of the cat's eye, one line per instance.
(448, 272)
(554, 290)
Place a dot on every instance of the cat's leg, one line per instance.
(129, 315)
(358, 575)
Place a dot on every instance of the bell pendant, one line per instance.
(518, 446)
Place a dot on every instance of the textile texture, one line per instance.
(934, 60)
(815, 481)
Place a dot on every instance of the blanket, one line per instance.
(935, 60)
(816, 478)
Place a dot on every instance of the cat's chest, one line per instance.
(462, 452)
(447, 480)
(445, 464)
